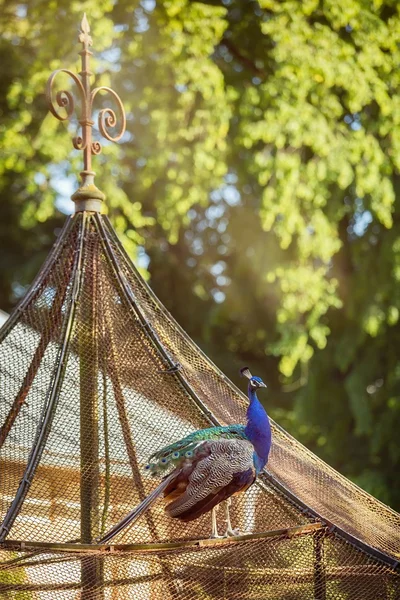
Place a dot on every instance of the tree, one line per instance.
(260, 175)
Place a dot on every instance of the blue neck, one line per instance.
(258, 430)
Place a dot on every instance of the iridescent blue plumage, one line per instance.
(258, 428)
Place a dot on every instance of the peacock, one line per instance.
(210, 466)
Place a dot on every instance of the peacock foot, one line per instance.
(235, 532)
(216, 536)
(232, 532)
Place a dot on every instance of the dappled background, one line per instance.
(257, 187)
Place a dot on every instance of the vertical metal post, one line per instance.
(319, 568)
(91, 569)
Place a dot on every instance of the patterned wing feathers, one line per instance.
(240, 482)
(221, 469)
(180, 482)
(172, 455)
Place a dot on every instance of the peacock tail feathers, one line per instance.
(171, 455)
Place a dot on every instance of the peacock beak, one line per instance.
(262, 384)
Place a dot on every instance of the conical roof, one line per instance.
(95, 375)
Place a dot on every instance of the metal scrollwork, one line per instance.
(107, 119)
(64, 98)
(78, 143)
(96, 147)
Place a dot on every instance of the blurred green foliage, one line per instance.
(258, 186)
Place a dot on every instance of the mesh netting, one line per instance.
(94, 376)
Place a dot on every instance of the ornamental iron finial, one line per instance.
(88, 196)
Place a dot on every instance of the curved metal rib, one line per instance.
(206, 412)
(35, 285)
(44, 426)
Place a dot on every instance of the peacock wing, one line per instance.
(173, 454)
(221, 469)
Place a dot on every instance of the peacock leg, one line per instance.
(214, 526)
(229, 529)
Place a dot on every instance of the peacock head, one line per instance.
(254, 382)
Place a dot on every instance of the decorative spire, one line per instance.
(84, 36)
(88, 196)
